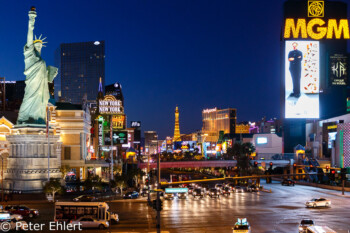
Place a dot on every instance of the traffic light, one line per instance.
(157, 205)
(343, 174)
(294, 165)
(147, 181)
(327, 168)
(154, 204)
(255, 164)
(332, 175)
(160, 206)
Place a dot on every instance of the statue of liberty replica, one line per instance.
(35, 153)
(33, 108)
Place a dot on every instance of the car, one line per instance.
(182, 195)
(252, 188)
(317, 202)
(198, 193)
(88, 222)
(144, 192)
(239, 189)
(214, 193)
(22, 210)
(114, 217)
(14, 224)
(226, 191)
(17, 217)
(219, 186)
(319, 229)
(169, 196)
(190, 190)
(232, 187)
(288, 182)
(304, 224)
(242, 226)
(85, 198)
(131, 195)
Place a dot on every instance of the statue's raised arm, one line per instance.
(32, 16)
(36, 95)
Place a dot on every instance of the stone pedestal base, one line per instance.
(27, 166)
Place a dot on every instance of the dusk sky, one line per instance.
(195, 54)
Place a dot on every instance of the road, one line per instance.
(279, 211)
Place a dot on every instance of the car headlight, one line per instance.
(300, 228)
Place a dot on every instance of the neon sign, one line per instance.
(316, 29)
(209, 110)
(110, 105)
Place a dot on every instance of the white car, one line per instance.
(219, 187)
(11, 222)
(114, 217)
(241, 226)
(17, 217)
(304, 224)
(169, 196)
(317, 202)
(87, 222)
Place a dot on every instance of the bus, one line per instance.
(67, 211)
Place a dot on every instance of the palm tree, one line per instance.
(241, 152)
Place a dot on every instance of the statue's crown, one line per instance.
(40, 40)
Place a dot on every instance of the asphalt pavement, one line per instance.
(278, 211)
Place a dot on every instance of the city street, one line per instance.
(279, 211)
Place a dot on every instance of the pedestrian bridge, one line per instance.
(212, 163)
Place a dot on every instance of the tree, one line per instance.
(120, 181)
(52, 187)
(64, 170)
(134, 174)
(93, 182)
(188, 155)
(241, 152)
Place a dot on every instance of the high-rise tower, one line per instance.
(80, 66)
(177, 126)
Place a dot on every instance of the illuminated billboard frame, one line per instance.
(302, 79)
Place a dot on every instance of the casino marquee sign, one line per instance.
(110, 105)
(316, 28)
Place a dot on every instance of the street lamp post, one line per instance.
(2, 178)
(158, 193)
(111, 135)
(48, 142)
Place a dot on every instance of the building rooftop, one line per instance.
(68, 106)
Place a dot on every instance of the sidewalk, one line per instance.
(322, 186)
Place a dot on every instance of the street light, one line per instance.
(48, 141)
(2, 178)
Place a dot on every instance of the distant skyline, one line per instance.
(192, 54)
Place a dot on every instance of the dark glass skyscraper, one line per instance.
(80, 66)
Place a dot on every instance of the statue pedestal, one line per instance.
(27, 164)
